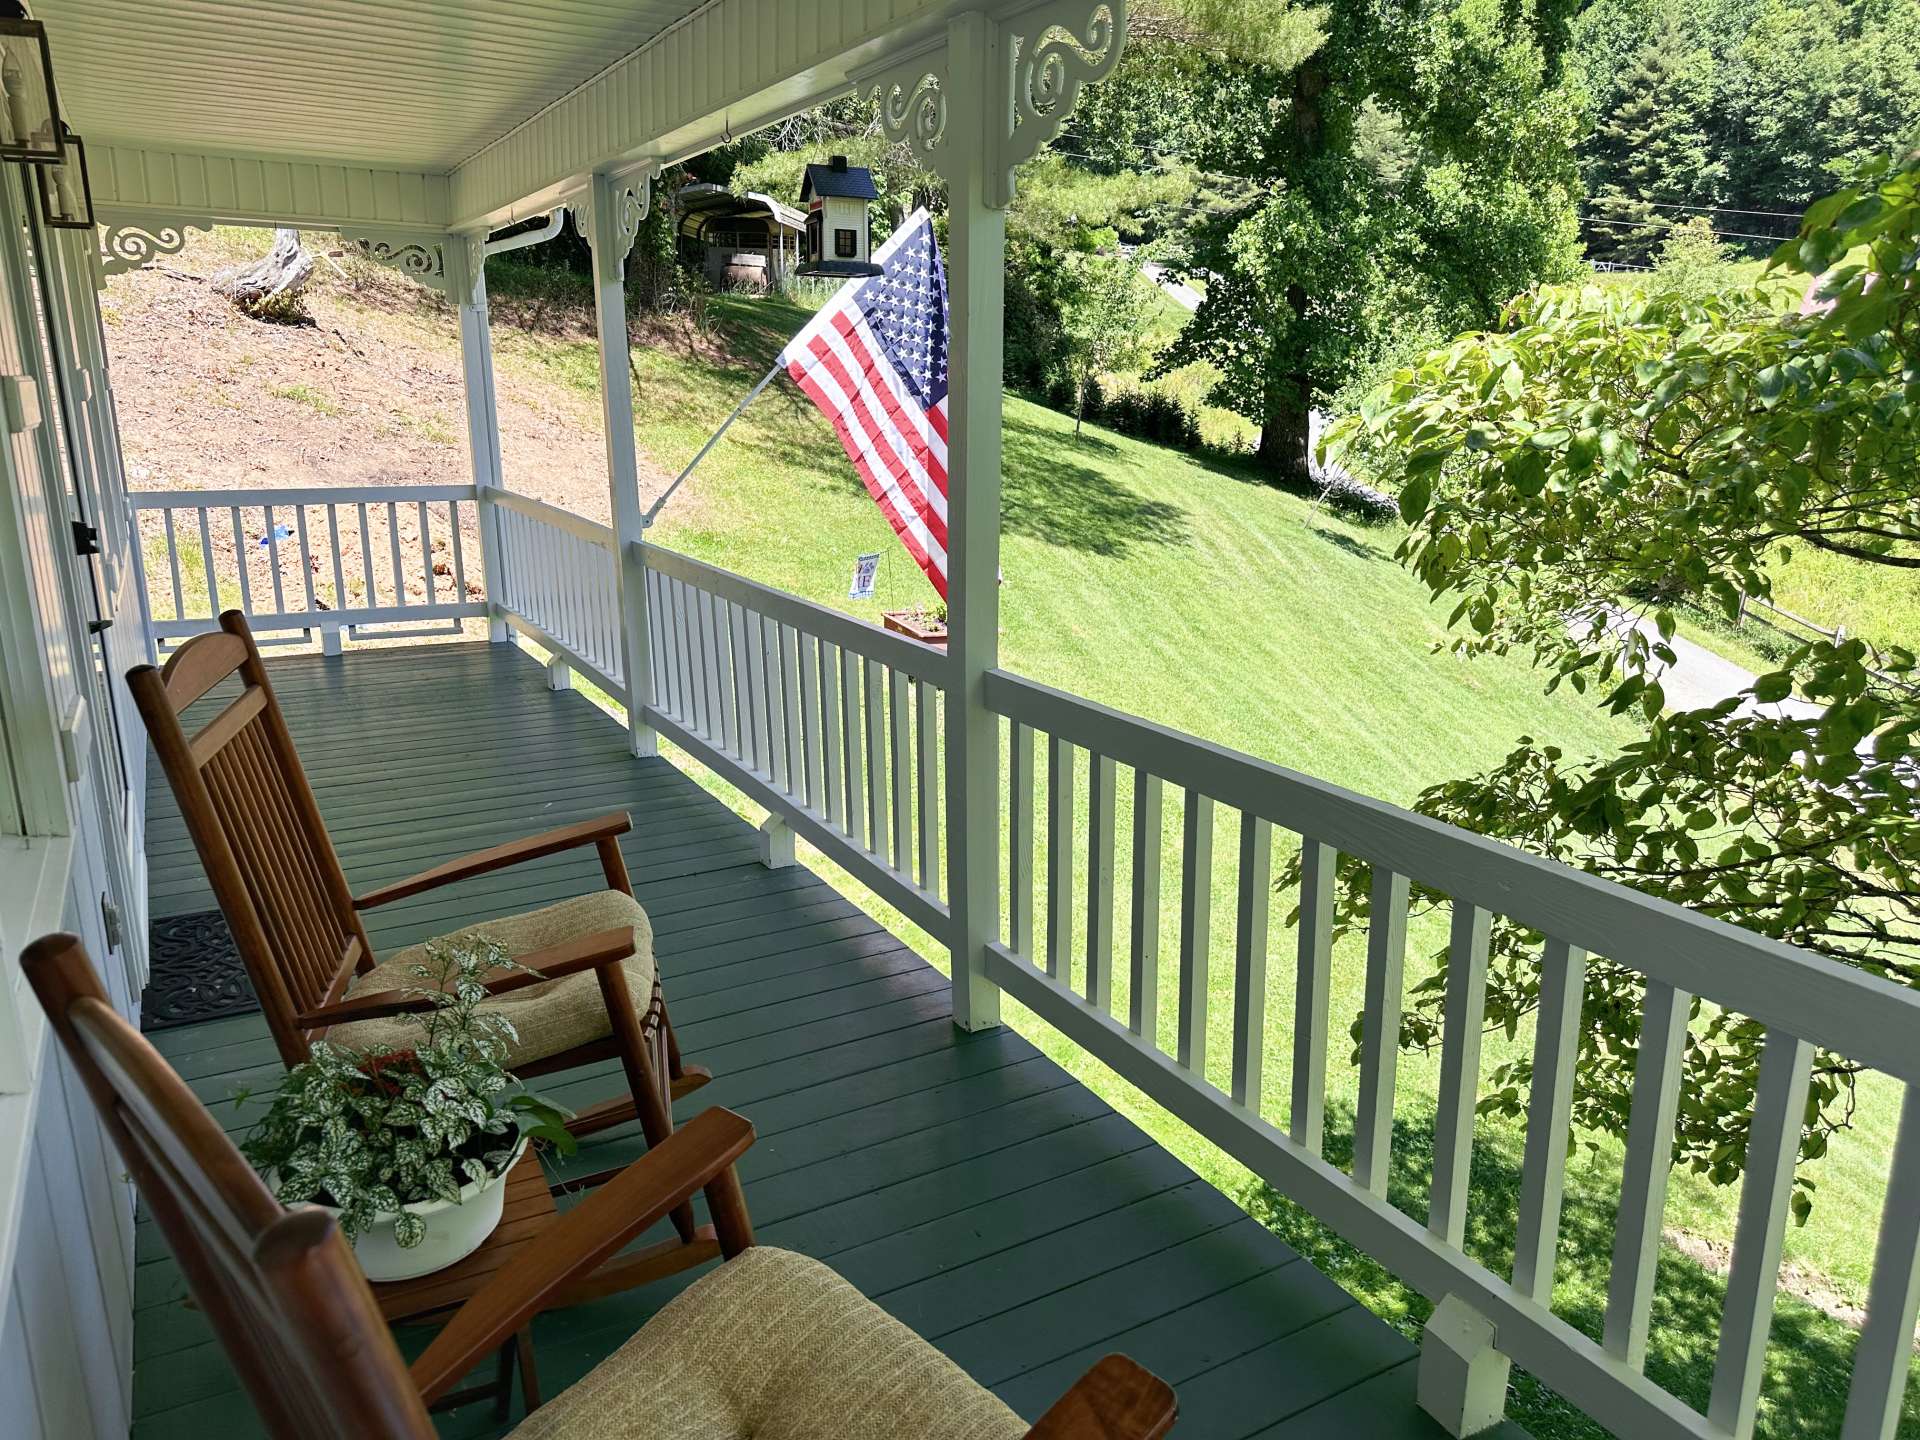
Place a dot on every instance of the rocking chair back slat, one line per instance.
(257, 827)
(281, 1289)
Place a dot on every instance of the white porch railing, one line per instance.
(559, 585)
(378, 555)
(1802, 1000)
(838, 728)
(831, 723)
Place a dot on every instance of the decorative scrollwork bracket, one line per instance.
(912, 97)
(1049, 52)
(421, 257)
(1034, 63)
(629, 199)
(128, 243)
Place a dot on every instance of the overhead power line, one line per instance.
(1714, 209)
(1669, 225)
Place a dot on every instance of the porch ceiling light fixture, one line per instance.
(29, 131)
(66, 194)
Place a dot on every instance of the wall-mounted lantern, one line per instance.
(837, 197)
(66, 194)
(29, 130)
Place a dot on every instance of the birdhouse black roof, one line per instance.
(838, 179)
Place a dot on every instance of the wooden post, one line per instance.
(466, 261)
(615, 210)
(977, 230)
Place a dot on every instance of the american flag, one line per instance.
(875, 361)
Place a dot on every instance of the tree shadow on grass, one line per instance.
(1809, 1360)
(1052, 494)
(1357, 548)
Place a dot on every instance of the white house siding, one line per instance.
(69, 834)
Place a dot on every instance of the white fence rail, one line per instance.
(1065, 973)
(331, 560)
(831, 723)
(559, 584)
(836, 727)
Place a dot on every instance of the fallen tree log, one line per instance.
(269, 288)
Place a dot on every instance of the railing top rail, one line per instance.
(553, 515)
(908, 656)
(1866, 1018)
(315, 495)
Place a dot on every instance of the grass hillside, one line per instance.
(1149, 580)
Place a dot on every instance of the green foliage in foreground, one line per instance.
(1650, 446)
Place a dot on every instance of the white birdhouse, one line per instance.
(838, 198)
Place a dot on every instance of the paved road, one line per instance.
(1699, 678)
(1181, 293)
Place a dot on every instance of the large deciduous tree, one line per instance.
(1384, 172)
(1605, 451)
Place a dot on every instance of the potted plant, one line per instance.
(410, 1148)
(927, 625)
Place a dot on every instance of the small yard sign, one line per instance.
(864, 569)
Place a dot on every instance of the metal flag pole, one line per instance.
(713, 440)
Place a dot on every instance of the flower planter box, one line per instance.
(916, 625)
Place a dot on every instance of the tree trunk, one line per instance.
(270, 287)
(1286, 436)
(1283, 449)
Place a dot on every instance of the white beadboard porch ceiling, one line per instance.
(420, 85)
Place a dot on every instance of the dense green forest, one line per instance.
(1745, 111)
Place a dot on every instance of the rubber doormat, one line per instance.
(196, 973)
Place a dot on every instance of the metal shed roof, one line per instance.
(703, 205)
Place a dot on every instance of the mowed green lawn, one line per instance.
(1185, 594)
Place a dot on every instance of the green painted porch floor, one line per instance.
(965, 1182)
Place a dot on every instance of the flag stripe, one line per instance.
(910, 532)
(929, 450)
(852, 420)
(892, 448)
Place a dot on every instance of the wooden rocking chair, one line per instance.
(770, 1342)
(298, 928)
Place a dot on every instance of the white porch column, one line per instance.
(466, 261)
(976, 282)
(614, 210)
(974, 108)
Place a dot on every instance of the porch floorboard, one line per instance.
(965, 1182)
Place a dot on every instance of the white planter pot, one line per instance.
(454, 1229)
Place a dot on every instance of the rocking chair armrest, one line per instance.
(599, 1227)
(1115, 1400)
(583, 952)
(514, 852)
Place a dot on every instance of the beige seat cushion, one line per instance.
(548, 1018)
(774, 1346)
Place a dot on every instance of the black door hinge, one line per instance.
(99, 627)
(86, 539)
